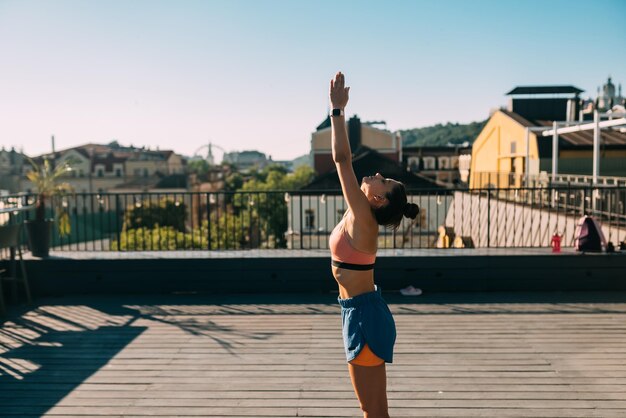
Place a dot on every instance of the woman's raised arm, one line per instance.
(342, 155)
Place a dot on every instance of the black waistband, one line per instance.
(350, 266)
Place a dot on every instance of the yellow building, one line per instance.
(499, 152)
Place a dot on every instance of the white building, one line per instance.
(312, 217)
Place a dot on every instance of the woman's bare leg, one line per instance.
(370, 386)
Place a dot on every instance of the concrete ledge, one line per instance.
(466, 271)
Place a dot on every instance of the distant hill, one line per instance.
(437, 135)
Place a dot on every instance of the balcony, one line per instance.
(271, 237)
(224, 316)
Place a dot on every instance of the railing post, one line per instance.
(208, 217)
(596, 147)
(488, 218)
(117, 221)
(527, 162)
(301, 225)
(555, 151)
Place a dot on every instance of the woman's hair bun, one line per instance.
(411, 210)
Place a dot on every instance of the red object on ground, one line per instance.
(556, 243)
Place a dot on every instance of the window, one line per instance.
(309, 219)
(444, 163)
(100, 172)
(145, 172)
(429, 163)
(137, 172)
(118, 172)
(513, 147)
(414, 163)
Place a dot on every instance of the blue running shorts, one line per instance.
(366, 319)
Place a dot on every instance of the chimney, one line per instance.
(573, 106)
(354, 133)
(53, 150)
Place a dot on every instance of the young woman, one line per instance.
(369, 331)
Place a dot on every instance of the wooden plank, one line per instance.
(174, 358)
(43, 397)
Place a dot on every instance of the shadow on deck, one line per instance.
(522, 354)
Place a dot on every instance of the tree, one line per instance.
(276, 177)
(437, 135)
(46, 180)
(199, 167)
(249, 214)
(166, 212)
(271, 206)
(234, 182)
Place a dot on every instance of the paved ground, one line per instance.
(457, 355)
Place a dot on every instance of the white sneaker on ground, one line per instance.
(411, 291)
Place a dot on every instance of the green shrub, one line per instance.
(148, 214)
(232, 232)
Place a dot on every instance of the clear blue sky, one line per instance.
(254, 74)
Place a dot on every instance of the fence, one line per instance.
(509, 218)
(500, 218)
(502, 179)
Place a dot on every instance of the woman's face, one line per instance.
(376, 188)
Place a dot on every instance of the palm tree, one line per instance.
(46, 180)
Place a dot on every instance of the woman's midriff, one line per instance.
(353, 282)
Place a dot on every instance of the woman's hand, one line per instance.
(338, 92)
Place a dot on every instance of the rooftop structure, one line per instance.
(545, 90)
(483, 355)
(367, 162)
(539, 133)
(372, 135)
(100, 167)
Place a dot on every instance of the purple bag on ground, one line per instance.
(589, 236)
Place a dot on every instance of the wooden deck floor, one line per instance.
(463, 355)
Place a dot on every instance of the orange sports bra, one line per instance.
(344, 255)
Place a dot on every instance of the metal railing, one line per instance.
(529, 217)
(491, 217)
(13, 211)
(501, 179)
(583, 179)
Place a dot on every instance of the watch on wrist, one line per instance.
(337, 112)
